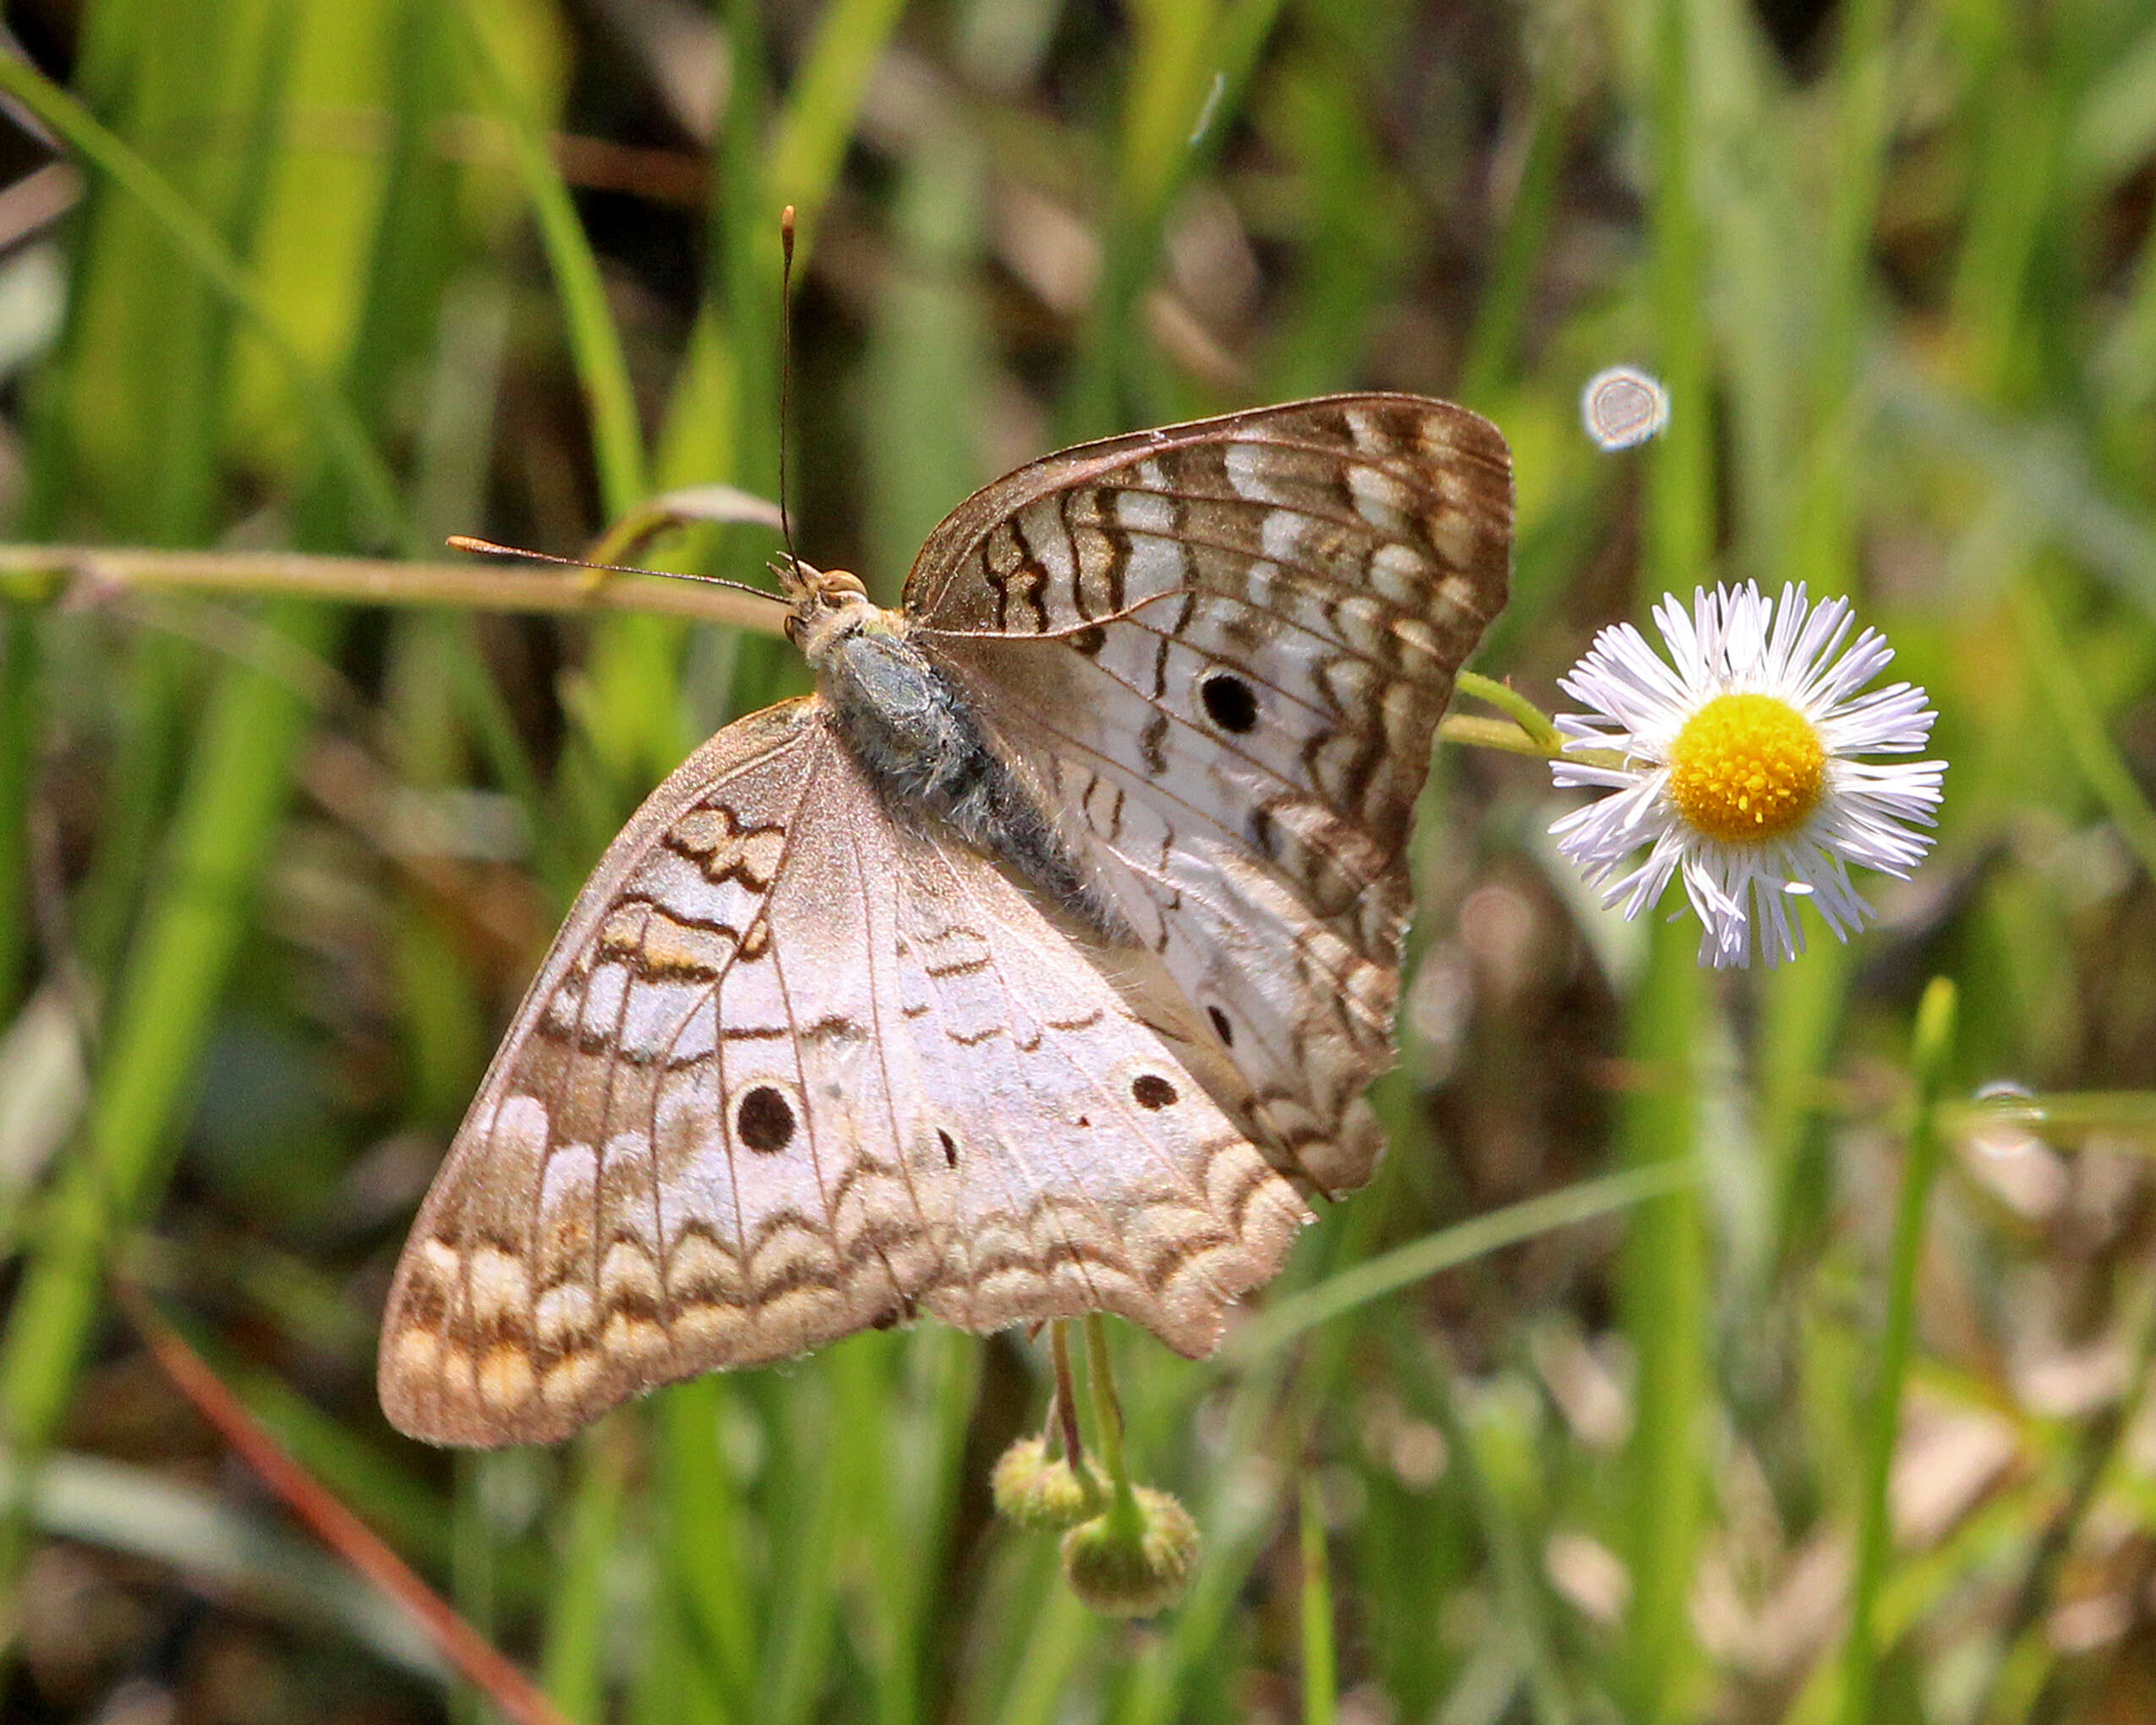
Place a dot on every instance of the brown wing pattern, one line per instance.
(1220, 651)
(791, 1069)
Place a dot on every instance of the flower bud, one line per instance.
(1034, 1489)
(1120, 1568)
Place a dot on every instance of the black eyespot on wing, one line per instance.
(1220, 1027)
(1229, 702)
(764, 1121)
(1089, 640)
(1151, 1090)
(950, 1147)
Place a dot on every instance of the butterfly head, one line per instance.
(827, 605)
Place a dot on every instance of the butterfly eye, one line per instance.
(1151, 1090)
(1231, 703)
(764, 1121)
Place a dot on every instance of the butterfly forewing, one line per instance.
(1220, 651)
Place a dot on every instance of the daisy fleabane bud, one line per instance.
(1132, 1560)
(1033, 1489)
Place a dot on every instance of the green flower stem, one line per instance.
(1664, 1291)
(1934, 1043)
(1530, 718)
(1062, 1414)
(1495, 733)
(1491, 733)
(1108, 1422)
(1531, 730)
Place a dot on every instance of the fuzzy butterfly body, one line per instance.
(1035, 964)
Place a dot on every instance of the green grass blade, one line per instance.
(205, 899)
(823, 1461)
(1931, 1057)
(826, 106)
(19, 714)
(1664, 1272)
(1190, 62)
(344, 436)
(704, 1567)
(1373, 1280)
(573, 1667)
(2052, 664)
(1493, 351)
(1056, 1641)
(594, 343)
(1321, 1677)
(198, 1532)
(1519, 1586)
(929, 360)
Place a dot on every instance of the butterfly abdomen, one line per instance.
(914, 734)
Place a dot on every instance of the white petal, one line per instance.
(1872, 814)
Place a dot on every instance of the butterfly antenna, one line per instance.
(466, 542)
(786, 375)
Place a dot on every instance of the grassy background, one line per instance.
(348, 276)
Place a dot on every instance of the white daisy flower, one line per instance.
(1736, 765)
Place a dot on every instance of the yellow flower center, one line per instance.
(1746, 769)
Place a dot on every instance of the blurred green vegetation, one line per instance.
(350, 275)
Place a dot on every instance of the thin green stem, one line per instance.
(48, 574)
(1507, 699)
(1933, 1049)
(1107, 1428)
(1664, 1288)
(1063, 1410)
(1500, 734)
(1320, 1679)
(2130, 1114)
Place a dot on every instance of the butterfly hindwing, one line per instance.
(791, 1069)
(1092, 1172)
(1220, 652)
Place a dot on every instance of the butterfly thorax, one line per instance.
(913, 731)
